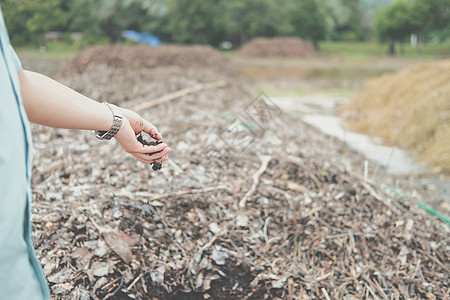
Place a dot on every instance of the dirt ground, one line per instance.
(253, 204)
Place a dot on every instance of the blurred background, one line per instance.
(84, 22)
(418, 24)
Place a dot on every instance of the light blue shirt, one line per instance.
(21, 275)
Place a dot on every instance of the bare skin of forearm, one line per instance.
(48, 102)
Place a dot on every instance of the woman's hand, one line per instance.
(50, 103)
(133, 124)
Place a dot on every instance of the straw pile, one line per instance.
(142, 56)
(277, 47)
(410, 109)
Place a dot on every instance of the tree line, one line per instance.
(214, 21)
(426, 19)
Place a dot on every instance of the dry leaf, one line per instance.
(119, 245)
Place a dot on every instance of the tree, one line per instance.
(116, 15)
(396, 22)
(346, 18)
(433, 13)
(309, 21)
(253, 18)
(196, 21)
(431, 16)
(97, 19)
(28, 20)
(213, 21)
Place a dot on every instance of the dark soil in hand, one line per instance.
(146, 139)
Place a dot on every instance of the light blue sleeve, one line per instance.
(17, 63)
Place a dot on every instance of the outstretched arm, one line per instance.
(47, 102)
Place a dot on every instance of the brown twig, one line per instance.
(135, 281)
(265, 159)
(153, 197)
(180, 93)
(325, 293)
(375, 286)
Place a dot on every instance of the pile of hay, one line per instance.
(277, 47)
(142, 56)
(410, 109)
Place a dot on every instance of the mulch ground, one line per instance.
(253, 204)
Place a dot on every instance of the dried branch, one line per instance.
(153, 197)
(180, 93)
(265, 159)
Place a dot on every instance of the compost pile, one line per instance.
(253, 204)
(409, 108)
(143, 56)
(277, 47)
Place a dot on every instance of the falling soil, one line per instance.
(146, 139)
(313, 225)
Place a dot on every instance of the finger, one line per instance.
(143, 158)
(161, 159)
(155, 155)
(160, 154)
(152, 149)
(140, 159)
(151, 153)
(152, 130)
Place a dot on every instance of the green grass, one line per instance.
(362, 51)
(52, 51)
(49, 59)
(341, 70)
(59, 50)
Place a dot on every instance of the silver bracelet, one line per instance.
(117, 123)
